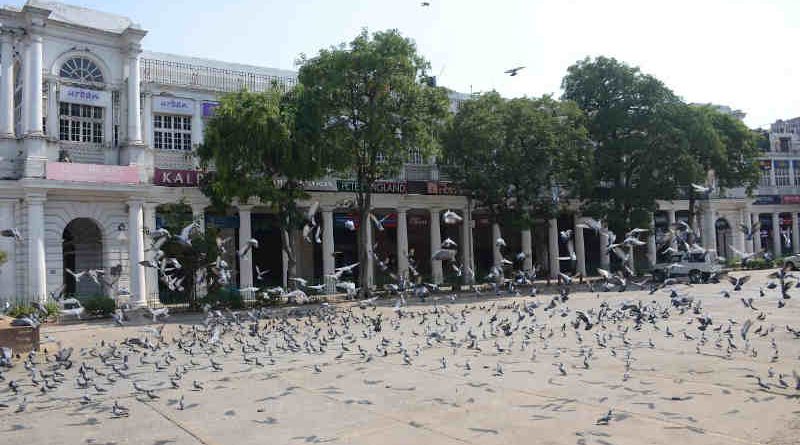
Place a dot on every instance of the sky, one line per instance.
(740, 53)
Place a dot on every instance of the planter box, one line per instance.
(21, 339)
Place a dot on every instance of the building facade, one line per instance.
(96, 134)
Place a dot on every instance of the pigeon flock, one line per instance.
(557, 339)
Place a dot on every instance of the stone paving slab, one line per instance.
(674, 395)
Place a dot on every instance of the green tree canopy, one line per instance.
(367, 105)
(255, 151)
(649, 144)
(509, 154)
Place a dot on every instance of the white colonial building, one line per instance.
(96, 134)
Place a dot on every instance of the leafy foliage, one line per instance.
(256, 151)
(367, 105)
(649, 144)
(509, 154)
(98, 305)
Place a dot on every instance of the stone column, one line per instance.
(37, 274)
(402, 242)
(52, 109)
(580, 248)
(738, 235)
(150, 274)
(245, 233)
(134, 99)
(497, 254)
(709, 229)
(552, 247)
(6, 86)
(34, 143)
(328, 246)
(527, 249)
(776, 234)
(8, 270)
(605, 260)
(651, 242)
(138, 284)
(671, 217)
(147, 120)
(466, 246)
(370, 260)
(32, 86)
(757, 247)
(199, 216)
(437, 275)
(795, 234)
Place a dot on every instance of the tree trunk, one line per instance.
(288, 248)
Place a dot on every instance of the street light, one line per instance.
(121, 232)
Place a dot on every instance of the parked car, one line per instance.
(793, 261)
(698, 266)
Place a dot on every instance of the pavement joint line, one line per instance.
(642, 415)
(380, 414)
(177, 423)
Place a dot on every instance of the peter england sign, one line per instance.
(177, 178)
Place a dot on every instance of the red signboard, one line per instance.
(115, 174)
(790, 199)
(441, 188)
(177, 178)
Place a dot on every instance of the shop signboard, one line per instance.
(75, 95)
(790, 199)
(99, 173)
(767, 199)
(172, 105)
(177, 178)
(392, 187)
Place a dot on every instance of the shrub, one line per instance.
(98, 305)
(223, 298)
(19, 309)
(52, 308)
(759, 263)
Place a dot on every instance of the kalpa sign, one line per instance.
(177, 178)
(83, 96)
(172, 105)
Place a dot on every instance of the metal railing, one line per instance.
(209, 78)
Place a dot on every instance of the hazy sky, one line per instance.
(743, 53)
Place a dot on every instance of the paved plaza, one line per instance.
(502, 389)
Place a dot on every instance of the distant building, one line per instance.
(738, 114)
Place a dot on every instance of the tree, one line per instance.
(193, 257)
(255, 149)
(508, 154)
(367, 105)
(628, 123)
(649, 144)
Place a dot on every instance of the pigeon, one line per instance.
(513, 71)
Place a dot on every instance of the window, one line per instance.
(172, 132)
(796, 179)
(785, 144)
(82, 70)
(765, 178)
(80, 123)
(782, 173)
(415, 156)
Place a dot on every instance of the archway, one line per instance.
(82, 246)
(724, 238)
